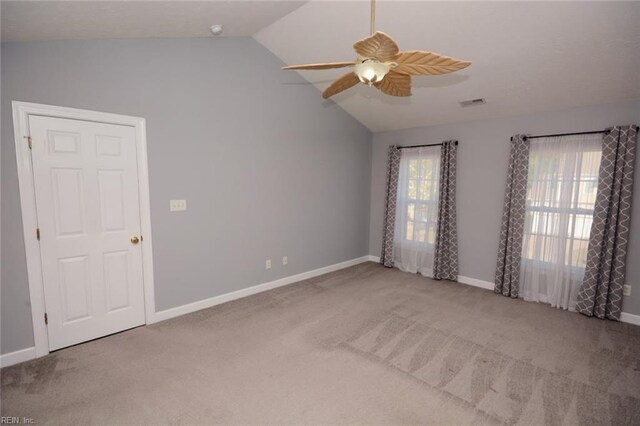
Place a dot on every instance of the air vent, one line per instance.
(472, 102)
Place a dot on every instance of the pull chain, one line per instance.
(373, 16)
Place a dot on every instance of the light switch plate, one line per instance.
(285, 260)
(626, 290)
(267, 264)
(177, 205)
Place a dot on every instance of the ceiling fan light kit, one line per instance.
(370, 71)
(381, 64)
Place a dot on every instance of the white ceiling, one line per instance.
(67, 20)
(527, 56)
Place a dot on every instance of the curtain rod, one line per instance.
(569, 134)
(420, 146)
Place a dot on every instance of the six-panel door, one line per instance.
(86, 187)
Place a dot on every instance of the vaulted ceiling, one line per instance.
(527, 56)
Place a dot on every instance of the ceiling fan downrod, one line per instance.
(373, 16)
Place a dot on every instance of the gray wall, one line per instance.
(267, 168)
(482, 170)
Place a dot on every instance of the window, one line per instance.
(561, 194)
(417, 209)
(421, 202)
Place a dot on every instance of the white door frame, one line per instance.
(21, 113)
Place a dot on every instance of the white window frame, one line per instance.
(544, 209)
(405, 203)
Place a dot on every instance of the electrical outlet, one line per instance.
(285, 260)
(177, 205)
(626, 290)
(267, 264)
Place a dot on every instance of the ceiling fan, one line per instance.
(381, 64)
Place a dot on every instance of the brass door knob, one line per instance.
(135, 240)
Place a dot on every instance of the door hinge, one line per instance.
(29, 141)
(46, 318)
(38, 233)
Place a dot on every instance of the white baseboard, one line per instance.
(630, 318)
(624, 317)
(461, 279)
(227, 297)
(30, 353)
(217, 300)
(487, 285)
(17, 357)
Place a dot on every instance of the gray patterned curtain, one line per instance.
(601, 292)
(510, 248)
(393, 170)
(445, 260)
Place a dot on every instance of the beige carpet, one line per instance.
(362, 345)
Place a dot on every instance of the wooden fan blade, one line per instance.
(343, 83)
(324, 66)
(380, 46)
(395, 84)
(417, 62)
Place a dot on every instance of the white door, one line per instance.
(86, 187)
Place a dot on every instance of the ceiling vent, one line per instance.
(472, 102)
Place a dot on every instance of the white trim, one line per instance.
(17, 357)
(223, 298)
(475, 282)
(145, 222)
(21, 113)
(630, 318)
(461, 279)
(30, 353)
(624, 317)
(488, 285)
